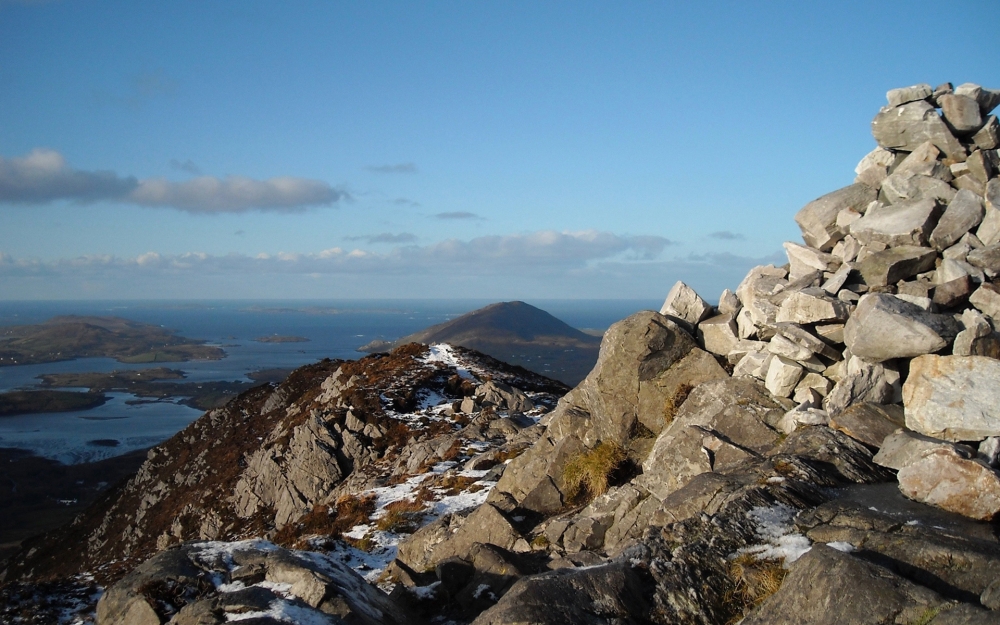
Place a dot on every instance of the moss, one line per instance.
(928, 615)
(588, 474)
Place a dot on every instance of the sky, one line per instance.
(500, 150)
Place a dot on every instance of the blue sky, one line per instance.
(439, 149)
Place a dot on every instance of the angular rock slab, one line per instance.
(903, 447)
(961, 112)
(964, 213)
(811, 305)
(685, 304)
(955, 398)
(906, 127)
(818, 219)
(885, 327)
(909, 223)
(895, 264)
(869, 423)
(944, 479)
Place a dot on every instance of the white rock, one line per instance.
(879, 157)
(753, 364)
(781, 346)
(805, 260)
(729, 303)
(718, 334)
(802, 415)
(782, 376)
(684, 303)
(811, 305)
(818, 219)
(954, 398)
(987, 300)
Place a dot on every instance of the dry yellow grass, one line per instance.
(587, 474)
(753, 581)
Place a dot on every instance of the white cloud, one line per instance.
(44, 176)
(542, 264)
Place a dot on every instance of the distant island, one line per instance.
(153, 384)
(69, 337)
(281, 339)
(31, 402)
(516, 333)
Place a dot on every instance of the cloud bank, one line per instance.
(44, 176)
(458, 215)
(396, 168)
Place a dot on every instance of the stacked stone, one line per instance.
(894, 298)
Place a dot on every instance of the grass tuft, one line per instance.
(588, 474)
(673, 403)
(754, 581)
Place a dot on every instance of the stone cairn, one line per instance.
(883, 324)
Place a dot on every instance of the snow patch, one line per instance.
(840, 545)
(776, 530)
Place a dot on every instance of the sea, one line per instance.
(335, 329)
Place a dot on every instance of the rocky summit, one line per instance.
(821, 446)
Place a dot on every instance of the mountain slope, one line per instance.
(517, 333)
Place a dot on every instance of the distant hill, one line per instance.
(516, 333)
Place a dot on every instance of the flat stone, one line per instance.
(961, 112)
(811, 305)
(909, 223)
(989, 230)
(895, 264)
(818, 219)
(986, 257)
(988, 137)
(908, 187)
(799, 335)
(684, 303)
(925, 162)
(944, 479)
(718, 334)
(963, 213)
(743, 347)
(953, 398)
(902, 95)
(782, 376)
(987, 300)
(903, 447)
(869, 423)
(804, 260)
(907, 126)
(968, 182)
(988, 99)
(832, 332)
(885, 327)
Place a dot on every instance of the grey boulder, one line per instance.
(885, 327)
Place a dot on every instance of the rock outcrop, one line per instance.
(820, 447)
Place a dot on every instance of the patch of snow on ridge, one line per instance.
(779, 539)
(443, 353)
